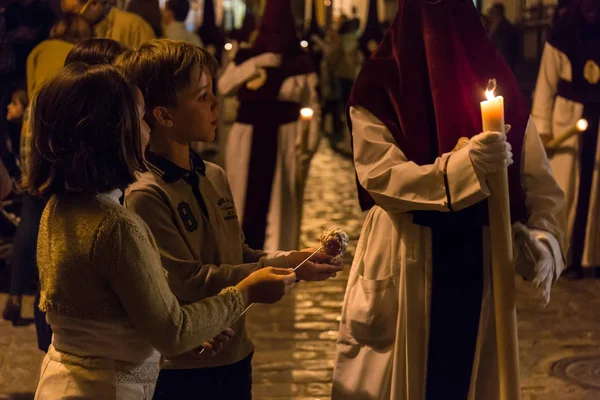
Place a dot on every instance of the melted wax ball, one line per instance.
(334, 241)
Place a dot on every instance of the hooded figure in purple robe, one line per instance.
(567, 90)
(417, 321)
(270, 146)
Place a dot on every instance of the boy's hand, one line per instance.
(320, 267)
(215, 345)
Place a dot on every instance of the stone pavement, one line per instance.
(295, 339)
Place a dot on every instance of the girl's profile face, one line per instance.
(144, 128)
(15, 110)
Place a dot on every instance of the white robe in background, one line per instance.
(297, 143)
(384, 331)
(553, 115)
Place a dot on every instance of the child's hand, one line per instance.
(318, 268)
(215, 345)
(267, 285)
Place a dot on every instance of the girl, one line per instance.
(103, 288)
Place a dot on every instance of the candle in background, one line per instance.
(580, 127)
(503, 284)
(306, 113)
(492, 110)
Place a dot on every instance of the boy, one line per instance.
(188, 206)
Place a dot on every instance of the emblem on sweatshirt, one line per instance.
(227, 208)
(187, 217)
(591, 72)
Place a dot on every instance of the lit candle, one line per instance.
(492, 110)
(580, 126)
(503, 284)
(306, 113)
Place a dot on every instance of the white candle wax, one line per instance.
(492, 113)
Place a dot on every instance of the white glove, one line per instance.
(534, 260)
(490, 152)
(267, 60)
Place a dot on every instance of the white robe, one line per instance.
(384, 330)
(297, 143)
(553, 115)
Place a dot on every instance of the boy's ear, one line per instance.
(163, 117)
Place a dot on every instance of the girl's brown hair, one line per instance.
(96, 51)
(85, 133)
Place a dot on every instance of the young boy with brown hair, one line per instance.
(187, 204)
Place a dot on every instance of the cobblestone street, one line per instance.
(295, 339)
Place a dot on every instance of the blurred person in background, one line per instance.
(31, 21)
(47, 58)
(567, 89)
(269, 147)
(174, 15)
(150, 11)
(14, 116)
(110, 22)
(373, 33)
(210, 34)
(504, 35)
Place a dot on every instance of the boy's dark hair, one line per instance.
(85, 129)
(96, 51)
(72, 28)
(180, 9)
(161, 68)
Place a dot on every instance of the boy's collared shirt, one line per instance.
(194, 222)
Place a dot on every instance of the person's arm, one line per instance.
(400, 185)
(189, 279)
(545, 91)
(126, 249)
(236, 75)
(544, 199)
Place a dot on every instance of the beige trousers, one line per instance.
(66, 376)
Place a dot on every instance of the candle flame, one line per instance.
(491, 88)
(582, 125)
(307, 113)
